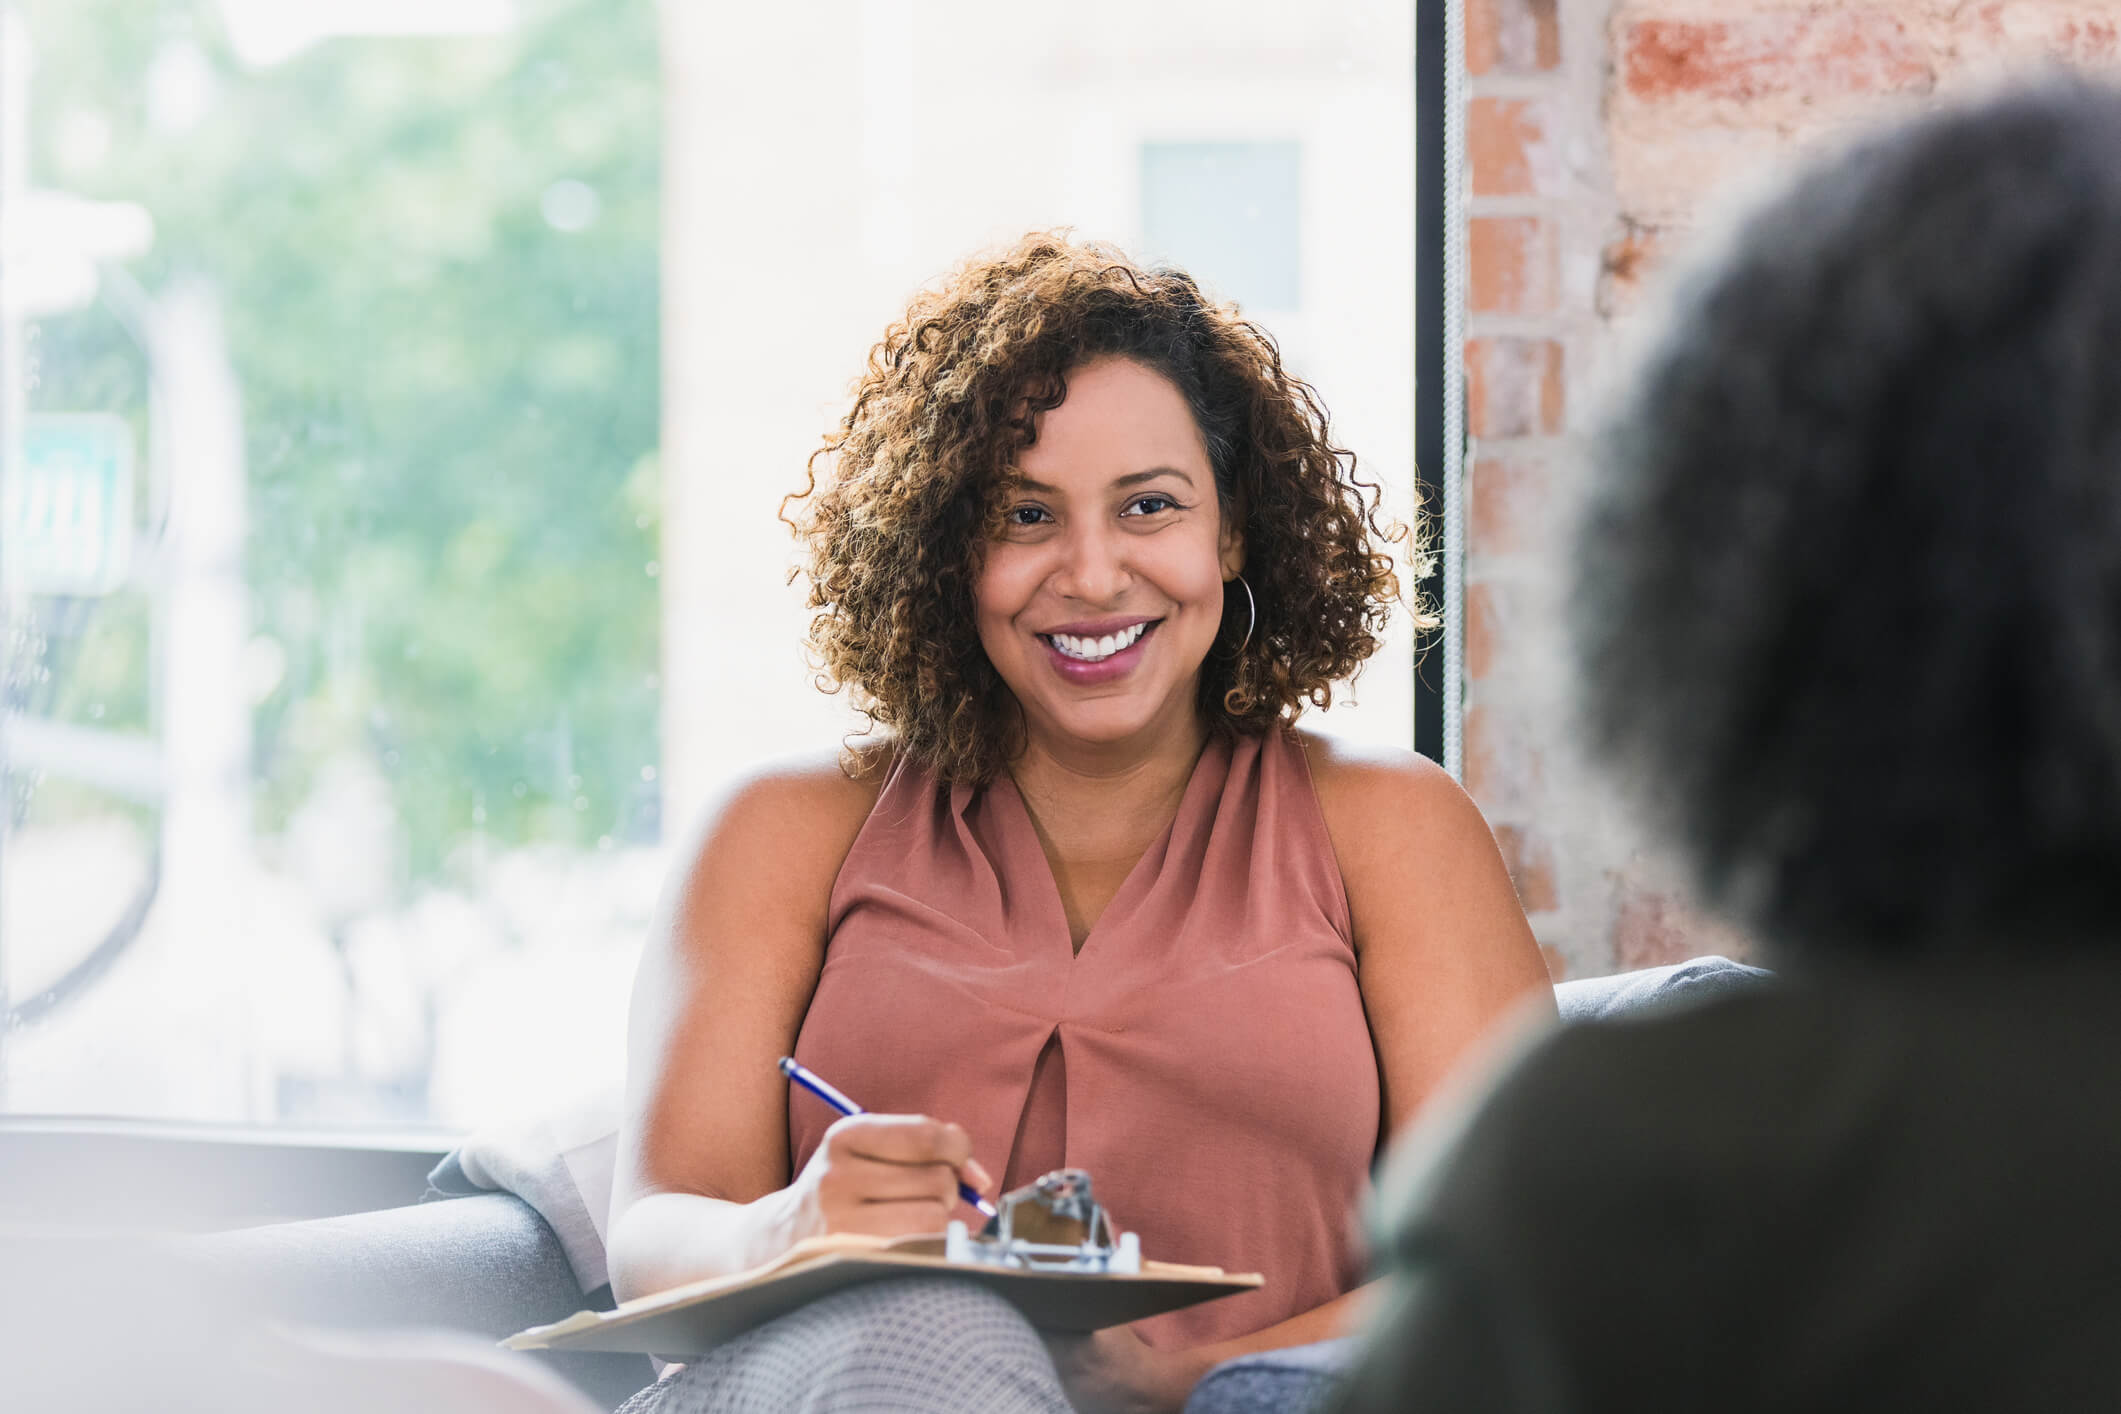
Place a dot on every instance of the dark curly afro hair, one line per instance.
(1848, 594)
(922, 463)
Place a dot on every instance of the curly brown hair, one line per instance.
(923, 462)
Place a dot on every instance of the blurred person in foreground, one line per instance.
(1847, 616)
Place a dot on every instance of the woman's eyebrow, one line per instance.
(1136, 478)
(1132, 478)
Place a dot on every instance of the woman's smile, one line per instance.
(1090, 654)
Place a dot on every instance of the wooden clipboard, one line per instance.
(690, 1320)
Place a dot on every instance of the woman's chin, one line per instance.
(1106, 721)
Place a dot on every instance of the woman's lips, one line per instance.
(1082, 673)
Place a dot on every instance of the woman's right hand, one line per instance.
(885, 1175)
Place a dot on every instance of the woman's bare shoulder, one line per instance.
(1363, 775)
(793, 816)
(1380, 800)
(841, 783)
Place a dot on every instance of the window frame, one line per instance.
(1439, 374)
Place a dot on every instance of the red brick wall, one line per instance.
(1600, 135)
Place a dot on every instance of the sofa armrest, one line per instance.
(487, 1265)
(1649, 990)
(1286, 1381)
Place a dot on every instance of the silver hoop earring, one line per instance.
(1251, 618)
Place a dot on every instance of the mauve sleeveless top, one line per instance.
(1205, 1056)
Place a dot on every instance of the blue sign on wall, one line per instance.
(67, 520)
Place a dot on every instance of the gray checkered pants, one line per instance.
(922, 1345)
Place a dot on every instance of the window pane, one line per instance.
(1229, 212)
(375, 624)
(333, 543)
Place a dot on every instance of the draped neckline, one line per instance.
(1025, 853)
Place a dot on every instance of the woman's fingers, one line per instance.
(901, 1139)
(907, 1139)
(893, 1174)
(885, 1199)
(875, 1181)
(899, 1219)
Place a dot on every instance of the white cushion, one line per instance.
(560, 1164)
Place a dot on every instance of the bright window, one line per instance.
(401, 397)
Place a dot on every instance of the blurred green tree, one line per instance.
(438, 261)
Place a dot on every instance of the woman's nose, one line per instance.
(1093, 568)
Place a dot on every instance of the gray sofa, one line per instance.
(486, 1263)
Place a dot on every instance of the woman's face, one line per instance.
(1104, 592)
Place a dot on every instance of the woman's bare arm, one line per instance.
(701, 1185)
(1443, 951)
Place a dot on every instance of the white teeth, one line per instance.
(1096, 650)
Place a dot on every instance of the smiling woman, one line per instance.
(1085, 551)
(943, 446)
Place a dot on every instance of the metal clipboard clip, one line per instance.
(1052, 1225)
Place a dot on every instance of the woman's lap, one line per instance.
(911, 1345)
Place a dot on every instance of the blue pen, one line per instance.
(816, 1086)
